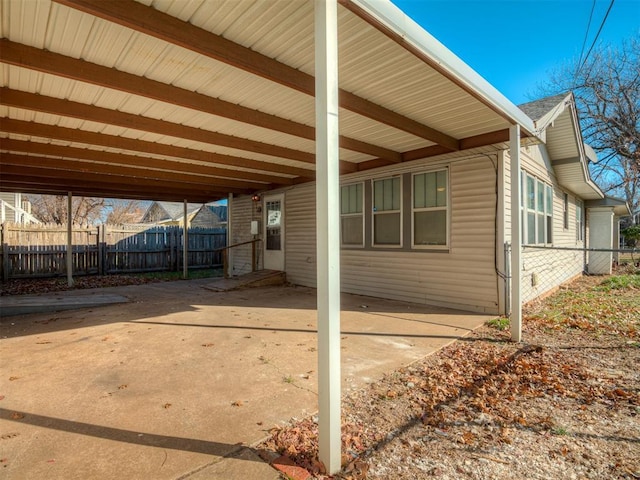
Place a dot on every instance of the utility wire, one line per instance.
(584, 42)
(595, 39)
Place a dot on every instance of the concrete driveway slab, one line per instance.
(181, 381)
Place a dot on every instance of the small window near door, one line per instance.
(274, 219)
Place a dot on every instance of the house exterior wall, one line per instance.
(242, 212)
(469, 273)
(462, 276)
(546, 268)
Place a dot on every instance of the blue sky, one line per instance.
(514, 43)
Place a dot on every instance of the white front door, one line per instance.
(274, 232)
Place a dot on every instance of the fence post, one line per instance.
(225, 263)
(5, 253)
(104, 251)
(99, 230)
(69, 240)
(172, 262)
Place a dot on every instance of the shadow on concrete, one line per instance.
(168, 298)
(119, 435)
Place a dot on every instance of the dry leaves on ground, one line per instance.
(564, 404)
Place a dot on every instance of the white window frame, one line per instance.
(579, 221)
(352, 215)
(547, 197)
(446, 208)
(385, 212)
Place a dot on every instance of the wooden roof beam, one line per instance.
(133, 170)
(67, 108)
(122, 160)
(491, 138)
(55, 64)
(35, 185)
(126, 181)
(173, 30)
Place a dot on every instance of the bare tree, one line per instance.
(124, 211)
(53, 209)
(607, 90)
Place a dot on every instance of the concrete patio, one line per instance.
(181, 381)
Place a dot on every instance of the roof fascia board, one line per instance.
(547, 119)
(573, 110)
(408, 33)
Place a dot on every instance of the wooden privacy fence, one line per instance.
(41, 250)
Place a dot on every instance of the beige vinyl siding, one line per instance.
(300, 232)
(546, 269)
(241, 213)
(464, 277)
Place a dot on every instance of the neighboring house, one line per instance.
(169, 213)
(210, 215)
(14, 208)
(434, 230)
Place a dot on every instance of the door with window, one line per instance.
(274, 232)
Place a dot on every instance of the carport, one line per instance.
(197, 101)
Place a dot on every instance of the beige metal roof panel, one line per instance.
(372, 66)
(25, 21)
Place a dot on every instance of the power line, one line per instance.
(586, 35)
(595, 39)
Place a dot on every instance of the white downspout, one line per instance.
(516, 235)
(327, 233)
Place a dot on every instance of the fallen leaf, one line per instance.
(237, 403)
(17, 416)
(207, 344)
(11, 379)
(166, 405)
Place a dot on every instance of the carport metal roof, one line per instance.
(175, 100)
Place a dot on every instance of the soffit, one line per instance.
(373, 67)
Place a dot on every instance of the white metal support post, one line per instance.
(516, 235)
(70, 239)
(327, 233)
(185, 243)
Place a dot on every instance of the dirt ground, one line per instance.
(564, 404)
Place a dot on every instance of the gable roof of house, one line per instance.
(219, 211)
(174, 211)
(538, 110)
(556, 119)
(178, 100)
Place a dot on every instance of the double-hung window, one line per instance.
(537, 211)
(351, 215)
(387, 212)
(430, 209)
